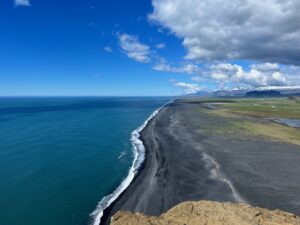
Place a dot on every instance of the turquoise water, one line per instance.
(60, 156)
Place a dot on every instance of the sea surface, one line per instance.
(60, 156)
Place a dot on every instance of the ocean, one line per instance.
(60, 156)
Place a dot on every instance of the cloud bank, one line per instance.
(238, 43)
(257, 75)
(267, 31)
(264, 35)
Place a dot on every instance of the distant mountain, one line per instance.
(285, 91)
(203, 94)
(229, 93)
(259, 92)
(291, 93)
(263, 94)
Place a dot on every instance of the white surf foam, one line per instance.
(215, 173)
(139, 157)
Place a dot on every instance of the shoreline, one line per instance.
(123, 201)
(137, 165)
(184, 162)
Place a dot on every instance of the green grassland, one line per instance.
(264, 107)
(252, 118)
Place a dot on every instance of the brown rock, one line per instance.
(209, 213)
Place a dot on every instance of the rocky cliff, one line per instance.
(209, 213)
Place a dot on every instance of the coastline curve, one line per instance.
(139, 157)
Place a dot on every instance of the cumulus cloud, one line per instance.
(189, 68)
(134, 49)
(258, 78)
(189, 88)
(258, 75)
(22, 3)
(266, 31)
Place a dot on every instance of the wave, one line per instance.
(139, 157)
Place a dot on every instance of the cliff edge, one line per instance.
(209, 213)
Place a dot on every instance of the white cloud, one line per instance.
(267, 31)
(189, 88)
(189, 68)
(134, 49)
(257, 78)
(22, 3)
(282, 88)
(160, 46)
(108, 49)
(258, 75)
(267, 67)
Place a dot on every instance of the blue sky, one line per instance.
(132, 47)
(57, 48)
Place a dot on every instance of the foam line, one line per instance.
(139, 157)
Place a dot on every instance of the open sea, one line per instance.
(60, 156)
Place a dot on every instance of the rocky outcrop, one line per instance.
(209, 213)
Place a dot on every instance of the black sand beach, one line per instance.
(184, 162)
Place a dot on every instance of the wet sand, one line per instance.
(183, 162)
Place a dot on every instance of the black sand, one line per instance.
(184, 163)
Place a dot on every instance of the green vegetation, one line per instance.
(274, 131)
(264, 107)
(295, 98)
(251, 118)
(248, 129)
